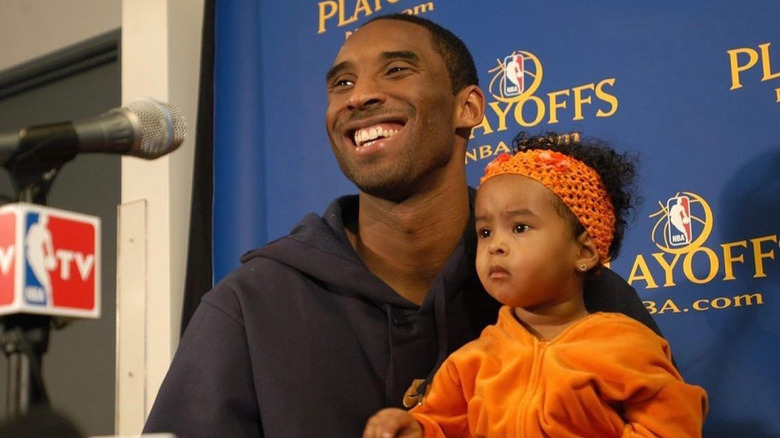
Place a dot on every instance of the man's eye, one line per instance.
(396, 69)
(341, 83)
(520, 228)
(483, 233)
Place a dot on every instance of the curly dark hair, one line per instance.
(617, 172)
(460, 64)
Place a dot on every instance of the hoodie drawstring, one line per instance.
(390, 380)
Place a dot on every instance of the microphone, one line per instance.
(144, 128)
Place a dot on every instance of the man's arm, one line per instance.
(209, 390)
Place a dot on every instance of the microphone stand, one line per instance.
(25, 338)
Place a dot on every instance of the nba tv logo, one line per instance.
(59, 261)
(679, 217)
(49, 261)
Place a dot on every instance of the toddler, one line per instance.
(547, 217)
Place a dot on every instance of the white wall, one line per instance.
(160, 58)
(33, 28)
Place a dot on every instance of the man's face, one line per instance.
(390, 109)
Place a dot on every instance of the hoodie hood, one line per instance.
(417, 338)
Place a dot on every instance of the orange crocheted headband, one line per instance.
(577, 184)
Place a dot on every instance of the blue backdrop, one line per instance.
(692, 87)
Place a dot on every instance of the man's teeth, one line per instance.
(364, 137)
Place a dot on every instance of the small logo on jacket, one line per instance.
(412, 397)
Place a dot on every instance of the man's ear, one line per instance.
(469, 107)
(588, 255)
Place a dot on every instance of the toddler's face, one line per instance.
(526, 251)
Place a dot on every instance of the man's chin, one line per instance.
(386, 190)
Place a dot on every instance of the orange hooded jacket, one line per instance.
(604, 376)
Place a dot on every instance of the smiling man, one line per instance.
(399, 129)
(353, 309)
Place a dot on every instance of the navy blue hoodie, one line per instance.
(304, 341)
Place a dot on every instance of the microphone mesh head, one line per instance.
(163, 127)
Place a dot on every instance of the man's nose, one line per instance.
(366, 93)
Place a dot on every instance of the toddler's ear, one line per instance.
(588, 255)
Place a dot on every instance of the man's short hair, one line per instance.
(456, 56)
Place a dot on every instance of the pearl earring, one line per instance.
(583, 267)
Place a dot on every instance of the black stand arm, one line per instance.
(25, 338)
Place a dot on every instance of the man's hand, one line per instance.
(392, 423)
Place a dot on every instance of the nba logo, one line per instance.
(49, 261)
(679, 223)
(514, 75)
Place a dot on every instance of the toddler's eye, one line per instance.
(520, 228)
(483, 233)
